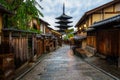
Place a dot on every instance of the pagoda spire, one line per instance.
(63, 21)
(63, 8)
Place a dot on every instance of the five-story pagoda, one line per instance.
(63, 21)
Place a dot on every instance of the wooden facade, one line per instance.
(91, 17)
(44, 26)
(6, 56)
(22, 45)
(0, 28)
(48, 40)
(108, 38)
(58, 37)
(40, 46)
(7, 66)
(91, 39)
(97, 14)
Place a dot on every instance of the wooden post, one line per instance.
(10, 40)
(27, 56)
(20, 47)
(33, 45)
(119, 49)
(0, 38)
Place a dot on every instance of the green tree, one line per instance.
(24, 11)
(69, 34)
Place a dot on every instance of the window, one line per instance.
(41, 27)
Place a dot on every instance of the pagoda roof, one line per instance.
(63, 26)
(63, 16)
(64, 21)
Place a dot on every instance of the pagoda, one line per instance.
(63, 21)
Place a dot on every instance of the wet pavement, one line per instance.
(63, 65)
(104, 65)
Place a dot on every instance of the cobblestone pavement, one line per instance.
(63, 65)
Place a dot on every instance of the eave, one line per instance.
(110, 21)
(81, 20)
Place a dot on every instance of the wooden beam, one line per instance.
(113, 8)
(102, 14)
(0, 37)
(117, 12)
(91, 19)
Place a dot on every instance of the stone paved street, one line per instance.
(63, 65)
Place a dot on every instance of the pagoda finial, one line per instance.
(63, 8)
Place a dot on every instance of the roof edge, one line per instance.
(95, 9)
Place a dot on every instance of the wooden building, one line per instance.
(44, 26)
(46, 34)
(45, 40)
(39, 46)
(21, 44)
(57, 38)
(52, 38)
(97, 14)
(108, 38)
(42, 39)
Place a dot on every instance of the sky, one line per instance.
(74, 8)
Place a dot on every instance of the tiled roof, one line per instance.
(95, 10)
(110, 21)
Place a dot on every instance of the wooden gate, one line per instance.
(108, 42)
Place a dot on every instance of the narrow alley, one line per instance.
(63, 65)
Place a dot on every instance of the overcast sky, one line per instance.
(74, 8)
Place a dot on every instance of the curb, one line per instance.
(39, 60)
(112, 76)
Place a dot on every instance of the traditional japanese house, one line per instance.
(91, 40)
(57, 38)
(97, 14)
(37, 41)
(40, 45)
(46, 34)
(51, 38)
(21, 43)
(38, 25)
(44, 26)
(108, 38)
(44, 40)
